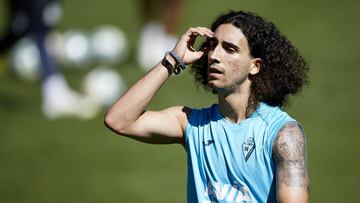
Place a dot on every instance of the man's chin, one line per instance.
(216, 89)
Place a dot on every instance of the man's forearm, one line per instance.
(133, 102)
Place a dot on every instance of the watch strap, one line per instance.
(165, 62)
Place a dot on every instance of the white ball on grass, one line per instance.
(77, 49)
(109, 44)
(25, 60)
(103, 85)
(55, 43)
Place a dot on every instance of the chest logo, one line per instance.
(208, 142)
(248, 147)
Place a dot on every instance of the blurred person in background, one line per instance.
(245, 148)
(35, 19)
(161, 18)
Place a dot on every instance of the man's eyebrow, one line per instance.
(229, 44)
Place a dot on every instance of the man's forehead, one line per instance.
(230, 33)
(229, 30)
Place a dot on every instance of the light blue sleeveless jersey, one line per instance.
(230, 162)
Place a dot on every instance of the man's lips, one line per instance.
(215, 70)
(214, 73)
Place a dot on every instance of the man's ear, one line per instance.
(256, 66)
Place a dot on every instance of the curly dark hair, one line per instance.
(283, 70)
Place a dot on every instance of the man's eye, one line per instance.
(230, 49)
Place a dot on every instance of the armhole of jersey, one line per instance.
(272, 140)
(188, 124)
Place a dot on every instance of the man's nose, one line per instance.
(214, 54)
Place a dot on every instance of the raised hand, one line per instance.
(184, 48)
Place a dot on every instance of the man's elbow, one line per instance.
(113, 124)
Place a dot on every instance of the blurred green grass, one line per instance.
(70, 160)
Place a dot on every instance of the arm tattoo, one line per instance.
(290, 156)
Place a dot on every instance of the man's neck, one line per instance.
(233, 106)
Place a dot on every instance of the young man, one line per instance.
(245, 148)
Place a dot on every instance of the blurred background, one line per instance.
(47, 158)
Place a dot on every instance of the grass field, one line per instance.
(70, 160)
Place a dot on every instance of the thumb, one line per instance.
(194, 56)
(199, 54)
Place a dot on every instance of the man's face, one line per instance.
(229, 59)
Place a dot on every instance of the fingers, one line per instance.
(202, 31)
(184, 47)
(193, 33)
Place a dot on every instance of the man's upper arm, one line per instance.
(165, 126)
(289, 149)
